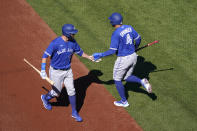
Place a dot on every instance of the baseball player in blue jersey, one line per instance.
(61, 50)
(122, 44)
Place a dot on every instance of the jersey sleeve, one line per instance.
(48, 52)
(137, 38)
(135, 35)
(78, 50)
(114, 41)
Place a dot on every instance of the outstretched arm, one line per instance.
(109, 52)
(113, 48)
(87, 56)
(106, 53)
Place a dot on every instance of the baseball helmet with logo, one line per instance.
(116, 19)
(68, 30)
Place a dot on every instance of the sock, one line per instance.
(121, 90)
(72, 100)
(133, 78)
(48, 96)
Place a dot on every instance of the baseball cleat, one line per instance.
(121, 103)
(76, 116)
(46, 103)
(146, 85)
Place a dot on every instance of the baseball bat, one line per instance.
(149, 44)
(47, 79)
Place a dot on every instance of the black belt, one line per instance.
(64, 69)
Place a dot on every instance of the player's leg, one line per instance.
(121, 90)
(144, 82)
(120, 68)
(69, 84)
(57, 77)
(131, 78)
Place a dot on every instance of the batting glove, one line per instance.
(43, 74)
(97, 56)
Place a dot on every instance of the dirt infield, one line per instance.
(24, 34)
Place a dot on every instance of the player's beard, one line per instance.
(71, 38)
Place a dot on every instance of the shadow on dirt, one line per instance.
(81, 85)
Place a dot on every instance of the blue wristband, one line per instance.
(43, 66)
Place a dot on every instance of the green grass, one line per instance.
(170, 65)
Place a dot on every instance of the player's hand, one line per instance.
(97, 56)
(43, 74)
(91, 58)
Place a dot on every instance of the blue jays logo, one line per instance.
(64, 50)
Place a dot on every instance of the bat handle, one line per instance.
(50, 81)
(47, 79)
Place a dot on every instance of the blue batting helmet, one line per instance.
(116, 19)
(68, 30)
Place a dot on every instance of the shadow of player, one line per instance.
(62, 99)
(81, 85)
(141, 70)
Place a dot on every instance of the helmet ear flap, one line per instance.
(67, 35)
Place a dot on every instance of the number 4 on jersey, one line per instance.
(129, 40)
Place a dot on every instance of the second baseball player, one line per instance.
(122, 44)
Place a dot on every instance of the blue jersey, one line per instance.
(61, 52)
(122, 40)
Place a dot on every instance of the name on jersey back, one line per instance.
(125, 31)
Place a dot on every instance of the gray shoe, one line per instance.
(146, 85)
(121, 103)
